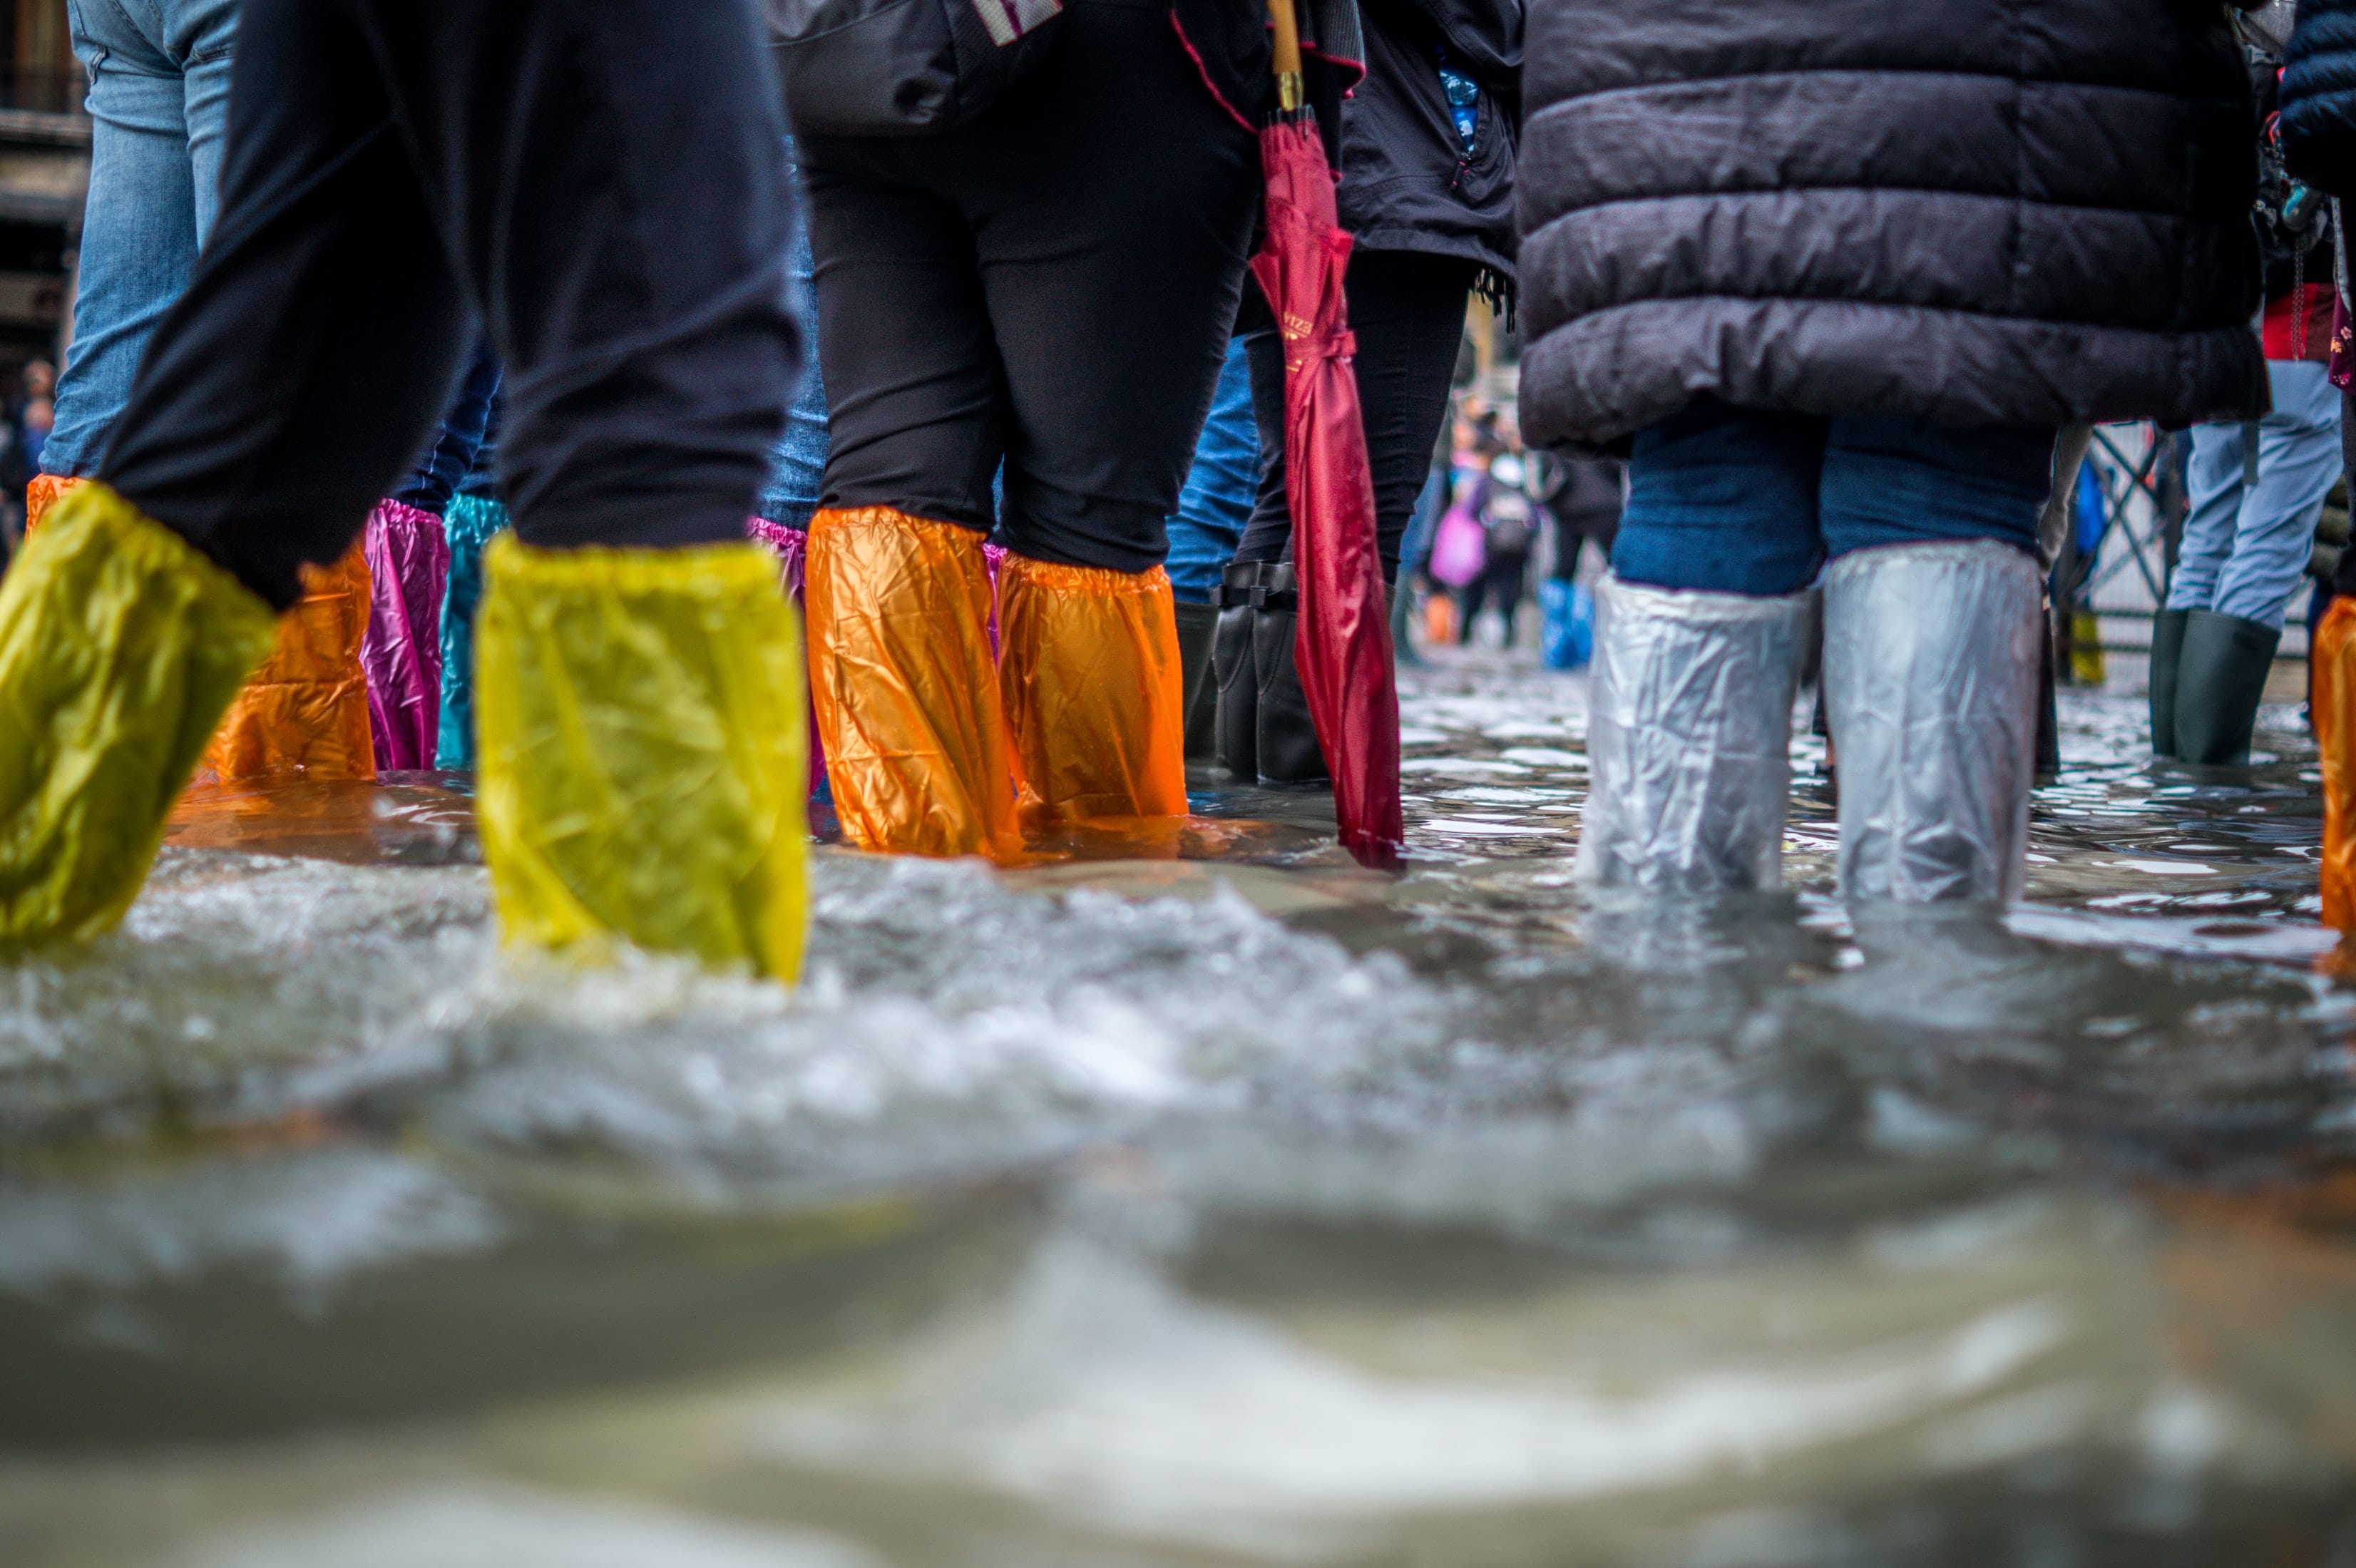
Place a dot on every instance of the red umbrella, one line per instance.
(1342, 637)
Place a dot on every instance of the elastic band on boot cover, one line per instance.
(306, 711)
(467, 528)
(1688, 738)
(43, 493)
(1094, 691)
(120, 646)
(907, 695)
(408, 571)
(1931, 669)
(2335, 735)
(642, 769)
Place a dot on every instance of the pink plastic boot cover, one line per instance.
(409, 565)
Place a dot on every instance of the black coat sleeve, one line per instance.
(2319, 97)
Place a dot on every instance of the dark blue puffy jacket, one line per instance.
(2319, 97)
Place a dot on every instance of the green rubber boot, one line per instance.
(2221, 678)
(2167, 654)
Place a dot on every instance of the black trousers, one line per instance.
(603, 186)
(1407, 310)
(1500, 587)
(1050, 286)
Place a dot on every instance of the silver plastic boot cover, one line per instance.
(1931, 668)
(1688, 738)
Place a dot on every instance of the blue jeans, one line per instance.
(798, 462)
(2245, 548)
(457, 445)
(1220, 486)
(158, 103)
(1740, 501)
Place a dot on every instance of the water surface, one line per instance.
(1199, 1198)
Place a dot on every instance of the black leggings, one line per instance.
(1050, 286)
(1500, 587)
(1407, 310)
(604, 186)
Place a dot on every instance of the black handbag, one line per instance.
(902, 68)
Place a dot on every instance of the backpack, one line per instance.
(902, 68)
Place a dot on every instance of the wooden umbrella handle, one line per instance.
(1287, 54)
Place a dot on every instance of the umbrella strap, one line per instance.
(1299, 354)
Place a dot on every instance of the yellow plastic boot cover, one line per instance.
(642, 746)
(907, 693)
(120, 646)
(306, 711)
(1095, 696)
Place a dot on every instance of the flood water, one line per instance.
(1204, 1200)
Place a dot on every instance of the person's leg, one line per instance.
(1509, 578)
(200, 36)
(900, 596)
(1932, 629)
(409, 558)
(298, 377)
(139, 227)
(2334, 686)
(1222, 482)
(1213, 509)
(229, 400)
(798, 462)
(1698, 635)
(1723, 500)
(451, 453)
(2213, 473)
(1407, 314)
(1406, 311)
(1474, 600)
(642, 318)
(2298, 462)
(1112, 287)
(2213, 480)
(2228, 645)
(643, 761)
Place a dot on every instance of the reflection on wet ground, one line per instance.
(1196, 1198)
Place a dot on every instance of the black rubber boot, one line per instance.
(1198, 627)
(1288, 752)
(2220, 677)
(1235, 725)
(2167, 654)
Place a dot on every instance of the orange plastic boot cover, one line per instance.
(46, 491)
(2335, 733)
(907, 694)
(306, 711)
(1089, 673)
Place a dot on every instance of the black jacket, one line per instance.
(2319, 97)
(1407, 181)
(2025, 212)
